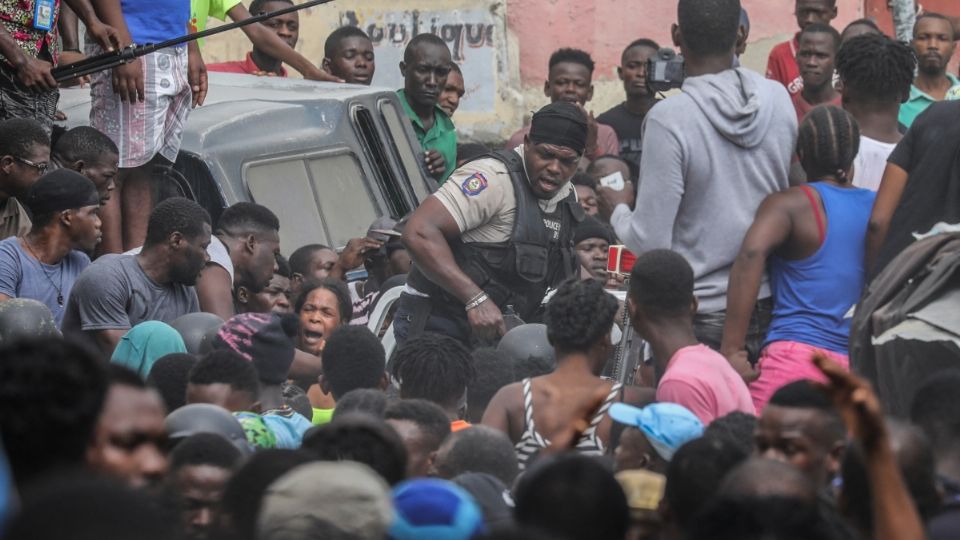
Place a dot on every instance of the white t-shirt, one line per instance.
(870, 162)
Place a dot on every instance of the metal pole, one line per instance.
(127, 54)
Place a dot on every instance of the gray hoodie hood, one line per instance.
(732, 102)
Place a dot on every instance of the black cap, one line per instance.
(61, 189)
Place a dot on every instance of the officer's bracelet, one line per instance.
(476, 301)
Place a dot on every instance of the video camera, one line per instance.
(665, 71)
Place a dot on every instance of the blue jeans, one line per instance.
(708, 327)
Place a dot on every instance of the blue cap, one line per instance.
(667, 426)
(432, 509)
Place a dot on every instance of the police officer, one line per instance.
(498, 233)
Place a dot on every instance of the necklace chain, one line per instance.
(45, 274)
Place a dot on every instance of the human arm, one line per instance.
(607, 141)
(196, 73)
(888, 197)
(107, 340)
(105, 35)
(127, 78)
(268, 41)
(771, 227)
(353, 256)
(895, 515)
(497, 414)
(305, 366)
(215, 291)
(426, 238)
(32, 72)
(661, 189)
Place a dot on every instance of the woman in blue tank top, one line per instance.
(810, 240)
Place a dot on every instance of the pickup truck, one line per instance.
(327, 158)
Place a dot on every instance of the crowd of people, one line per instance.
(634, 325)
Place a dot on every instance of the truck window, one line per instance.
(404, 152)
(327, 193)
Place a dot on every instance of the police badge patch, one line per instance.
(474, 184)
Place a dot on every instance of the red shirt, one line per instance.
(782, 66)
(244, 66)
(803, 107)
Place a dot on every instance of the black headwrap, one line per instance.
(561, 124)
(61, 189)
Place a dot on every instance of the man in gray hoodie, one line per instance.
(710, 156)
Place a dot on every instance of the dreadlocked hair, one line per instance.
(433, 367)
(876, 67)
(579, 315)
(829, 141)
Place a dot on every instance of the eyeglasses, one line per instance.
(40, 167)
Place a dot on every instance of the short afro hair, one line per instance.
(17, 135)
(434, 367)
(695, 473)
(579, 315)
(353, 358)
(709, 27)
(805, 394)
(428, 416)
(335, 286)
(332, 45)
(572, 56)
(661, 283)
(876, 67)
(256, 7)
(175, 215)
(363, 439)
(283, 266)
(642, 42)
(423, 39)
(51, 393)
(937, 16)
(301, 258)
(361, 401)
(245, 218)
(84, 143)
(479, 449)
(169, 376)
(821, 28)
(225, 366)
(205, 449)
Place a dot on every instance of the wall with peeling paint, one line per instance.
(503, 45)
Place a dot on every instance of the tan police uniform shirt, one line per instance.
(480, 197)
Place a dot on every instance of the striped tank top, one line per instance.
(531, 442)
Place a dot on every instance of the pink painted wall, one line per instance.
(604, 27)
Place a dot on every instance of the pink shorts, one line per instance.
(783, 362)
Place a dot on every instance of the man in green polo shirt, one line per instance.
(426, 64)
(933, 43)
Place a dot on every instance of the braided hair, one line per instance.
(579, 315)
(829, 141)
(433, 367)
(876, 67)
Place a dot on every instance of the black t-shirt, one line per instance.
(930, 153)
(629, 129)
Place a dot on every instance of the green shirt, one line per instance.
(920, 100)
(442, 137)
(201, 10)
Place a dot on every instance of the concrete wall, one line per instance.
(503, 45)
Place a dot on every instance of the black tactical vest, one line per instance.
(520, 271)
